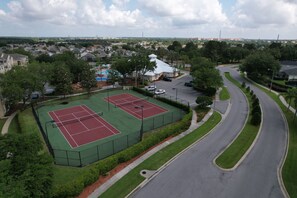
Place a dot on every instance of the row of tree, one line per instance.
(19, 83)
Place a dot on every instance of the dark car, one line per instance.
(188, 84)
(166, 79)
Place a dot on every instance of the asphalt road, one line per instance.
(193, 174)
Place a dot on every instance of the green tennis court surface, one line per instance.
(116, 118)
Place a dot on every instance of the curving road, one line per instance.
(193, 174)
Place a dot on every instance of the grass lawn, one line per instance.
(14, 126)
(130, 181)
(224, 94)
(238, 148)
(289, 170)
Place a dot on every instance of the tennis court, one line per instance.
(80, 125)
(138, 107)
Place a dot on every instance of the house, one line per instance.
(288, 72)
(162, 69)
(7, 61)
(86, 56)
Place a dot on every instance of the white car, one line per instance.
(151, 88)
(160, 91)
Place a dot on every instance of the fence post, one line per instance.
(67, 157)
(172, 117)
(98, 152)
(153, 123)
(79, 159)
(127, 141)
(112, 146)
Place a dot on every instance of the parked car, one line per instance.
(166, 79)
(160, 91)
(188, 84)
(151, 88)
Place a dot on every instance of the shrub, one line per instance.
(255, 102)
(243, 85)
(203, 101)
(256, 118)
(248, 89)
(252, 92)
(256, 109)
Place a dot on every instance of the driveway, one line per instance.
(193, 174)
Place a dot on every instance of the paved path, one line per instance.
(194, 175)
(7, 123)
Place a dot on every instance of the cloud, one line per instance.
(186, 13)
(255, 13)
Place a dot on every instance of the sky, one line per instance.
(250, 19)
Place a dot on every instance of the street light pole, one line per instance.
(141, 129)
(271, 80)
(175, 93)
(108, 99)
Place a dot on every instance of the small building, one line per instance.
(162, 70)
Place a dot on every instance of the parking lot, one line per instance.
(176, 88)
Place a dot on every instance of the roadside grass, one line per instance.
(244, 140)
(130, 181)
(2, 122)
(289, 170)
(224, 94)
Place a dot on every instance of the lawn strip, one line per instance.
(224, 94)
(130, 181)
(230, 157)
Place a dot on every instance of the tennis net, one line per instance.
(75, 120)
(133, 102)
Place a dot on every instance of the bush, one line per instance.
(142, 91)
(256, 109)
(175, 104)
(248, 89)
(256, 118)
(255, 102)
(243, 85)
(252, 92)
(203, 101)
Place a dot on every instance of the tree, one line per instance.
(113, 76)
(44, 58)
(175, 46)
(256, 118)
(259, 65)
(207, 77)
(61, 78)
(26, 172)
(203, 101)
(88, 79)
(142, 64)
(123, 66)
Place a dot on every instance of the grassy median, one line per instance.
(224, 94)
(130, 181)
(230, 157)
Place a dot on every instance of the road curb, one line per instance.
(147, 180)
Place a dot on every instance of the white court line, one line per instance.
(87, 130)
(70, 113)
(65, 129)
(99, 120)
(80, 121)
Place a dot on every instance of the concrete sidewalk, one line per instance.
(7, 123)
(194, 125)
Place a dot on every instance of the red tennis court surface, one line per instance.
(133, 105)
(80, 125)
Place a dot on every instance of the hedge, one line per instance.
(102, 167)
(184, 107)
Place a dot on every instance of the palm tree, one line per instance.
(291, 94)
